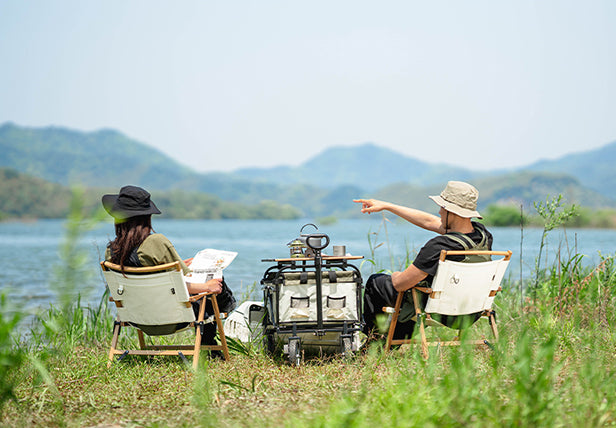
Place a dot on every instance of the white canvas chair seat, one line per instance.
(457, 289)
(155, 301)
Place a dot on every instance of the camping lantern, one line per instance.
(296, 248)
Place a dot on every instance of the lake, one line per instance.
(29, 250)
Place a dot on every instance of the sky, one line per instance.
(222, 85)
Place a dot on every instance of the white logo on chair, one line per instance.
(455, 279)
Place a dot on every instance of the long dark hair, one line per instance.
(129, 235)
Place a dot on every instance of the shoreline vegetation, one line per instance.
(494, 215)
(553, 365)
(27, 198)
(198, 206)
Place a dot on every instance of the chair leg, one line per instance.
(221, 330)
(492, 320)
(197, 348)
(422, 332)
(199, 334)
(421, 318)
(141, 339)
(114, 342)
(394, 321)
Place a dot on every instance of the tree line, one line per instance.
(24, 197)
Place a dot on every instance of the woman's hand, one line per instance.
(187, 262)
(211, 286)
(214, 285)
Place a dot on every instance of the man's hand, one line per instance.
(371, 205)
(418, 218)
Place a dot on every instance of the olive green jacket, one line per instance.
(156, 250)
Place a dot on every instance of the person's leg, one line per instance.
(379, 293)
(226, 300)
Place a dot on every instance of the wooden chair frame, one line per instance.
(165, 350)
(424, 319)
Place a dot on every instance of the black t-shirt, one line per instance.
(427, 259)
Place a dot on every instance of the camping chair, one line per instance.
(155, 301)
(458, 289)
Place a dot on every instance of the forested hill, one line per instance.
(322, 185)
(594, 168)
(104, 157)
(109, 159)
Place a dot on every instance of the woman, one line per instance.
(137, 245)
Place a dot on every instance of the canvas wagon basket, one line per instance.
(312, 305)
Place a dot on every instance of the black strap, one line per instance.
(466, 242)
(461, 239)
(132, 260)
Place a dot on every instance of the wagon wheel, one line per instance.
(346, 347)
(269, 342)
(295, 349)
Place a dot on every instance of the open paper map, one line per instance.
(209, 264)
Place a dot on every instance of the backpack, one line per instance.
(468, 244)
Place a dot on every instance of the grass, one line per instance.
(553, 366)
(549, 369)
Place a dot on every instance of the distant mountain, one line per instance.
(526, 187)
(105, 157)
(367, 166)
(515, 188)
(594, 169)
(110, 159)
(322, 185)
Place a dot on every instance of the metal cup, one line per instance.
(339, 250)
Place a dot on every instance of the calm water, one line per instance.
(29, 251)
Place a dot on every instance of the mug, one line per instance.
(339, 250)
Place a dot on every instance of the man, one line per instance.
(458, 202)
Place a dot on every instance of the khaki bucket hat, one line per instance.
(459, 198)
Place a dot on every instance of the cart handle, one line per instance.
(315, 241)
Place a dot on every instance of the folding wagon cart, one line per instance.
(312, 302)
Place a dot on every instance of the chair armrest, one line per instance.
(197, 297)
(390, 310)
(493, 292)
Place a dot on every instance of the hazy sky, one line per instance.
(220, 85)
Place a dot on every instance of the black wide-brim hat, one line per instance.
(132, 201)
